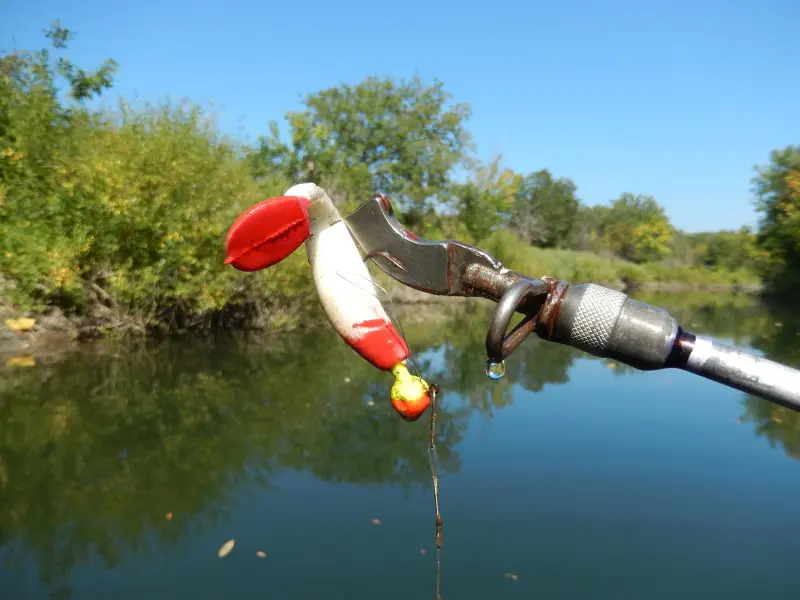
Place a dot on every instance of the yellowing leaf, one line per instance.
(21, 361)
(21, 324)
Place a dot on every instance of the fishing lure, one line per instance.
(271, 230)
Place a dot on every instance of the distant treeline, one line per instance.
(118, 217)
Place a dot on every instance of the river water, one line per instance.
(124, 468)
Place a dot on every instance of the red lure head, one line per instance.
(267, 232)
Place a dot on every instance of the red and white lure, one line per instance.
(271, 230)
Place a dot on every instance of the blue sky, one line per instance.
(675, 99)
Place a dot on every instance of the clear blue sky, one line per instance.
(675, 99)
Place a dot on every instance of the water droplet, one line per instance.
(495, 370)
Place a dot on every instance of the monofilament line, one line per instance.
(432, 457)
(435, 478)
(392, 312)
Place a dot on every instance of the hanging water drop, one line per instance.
(495, 370)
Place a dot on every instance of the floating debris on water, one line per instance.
(261, 554)
(512, 576)
(495, 370)
(371, 403)
(611, 365)
(169, 516)
(423, 551)
(376, 521)
(347, 380)
(226, 548)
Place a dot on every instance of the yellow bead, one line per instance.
(410, 395)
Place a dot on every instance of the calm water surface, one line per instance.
(583, 480)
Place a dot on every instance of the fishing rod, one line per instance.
(589, 317)
(600, 321)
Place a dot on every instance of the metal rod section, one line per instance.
(609, 324)
(752, 374)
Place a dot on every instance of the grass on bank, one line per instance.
(582, 267)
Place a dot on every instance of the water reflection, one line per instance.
(95, 449)
(777, 335)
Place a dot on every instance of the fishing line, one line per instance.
(434, 462)
(393, 316)
(434, 390)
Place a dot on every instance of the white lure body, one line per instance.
(344, 284)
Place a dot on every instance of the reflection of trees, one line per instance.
(97, 448)
(533, 364)
(778, 339)
(779, 425)
(465, 363)
(774, 329)
(724, 315)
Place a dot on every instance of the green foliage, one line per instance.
(124, 212)
(729, 250)
(582, 266)
(545, 210)
(83, 84)
(635, 227)
(403, 138)
(484, 202)
(777, 190)
(119, 217)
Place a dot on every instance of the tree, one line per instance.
(545, 210)
(727, 249)
(777, 191)
(83, 84)
(588, 229)
(486, 199)
(118, 218)
(38, 137)
(403, 138)
(636, 228)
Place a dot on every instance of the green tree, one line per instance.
(589, 227)
(727, 249)
(485, 200)
(83, 85)
(546, 209)
(403, 138)
(777, 191)
(38, 139)
(119, 217)
(683, 249)
(636, 228)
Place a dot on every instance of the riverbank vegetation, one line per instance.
(117, 218)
